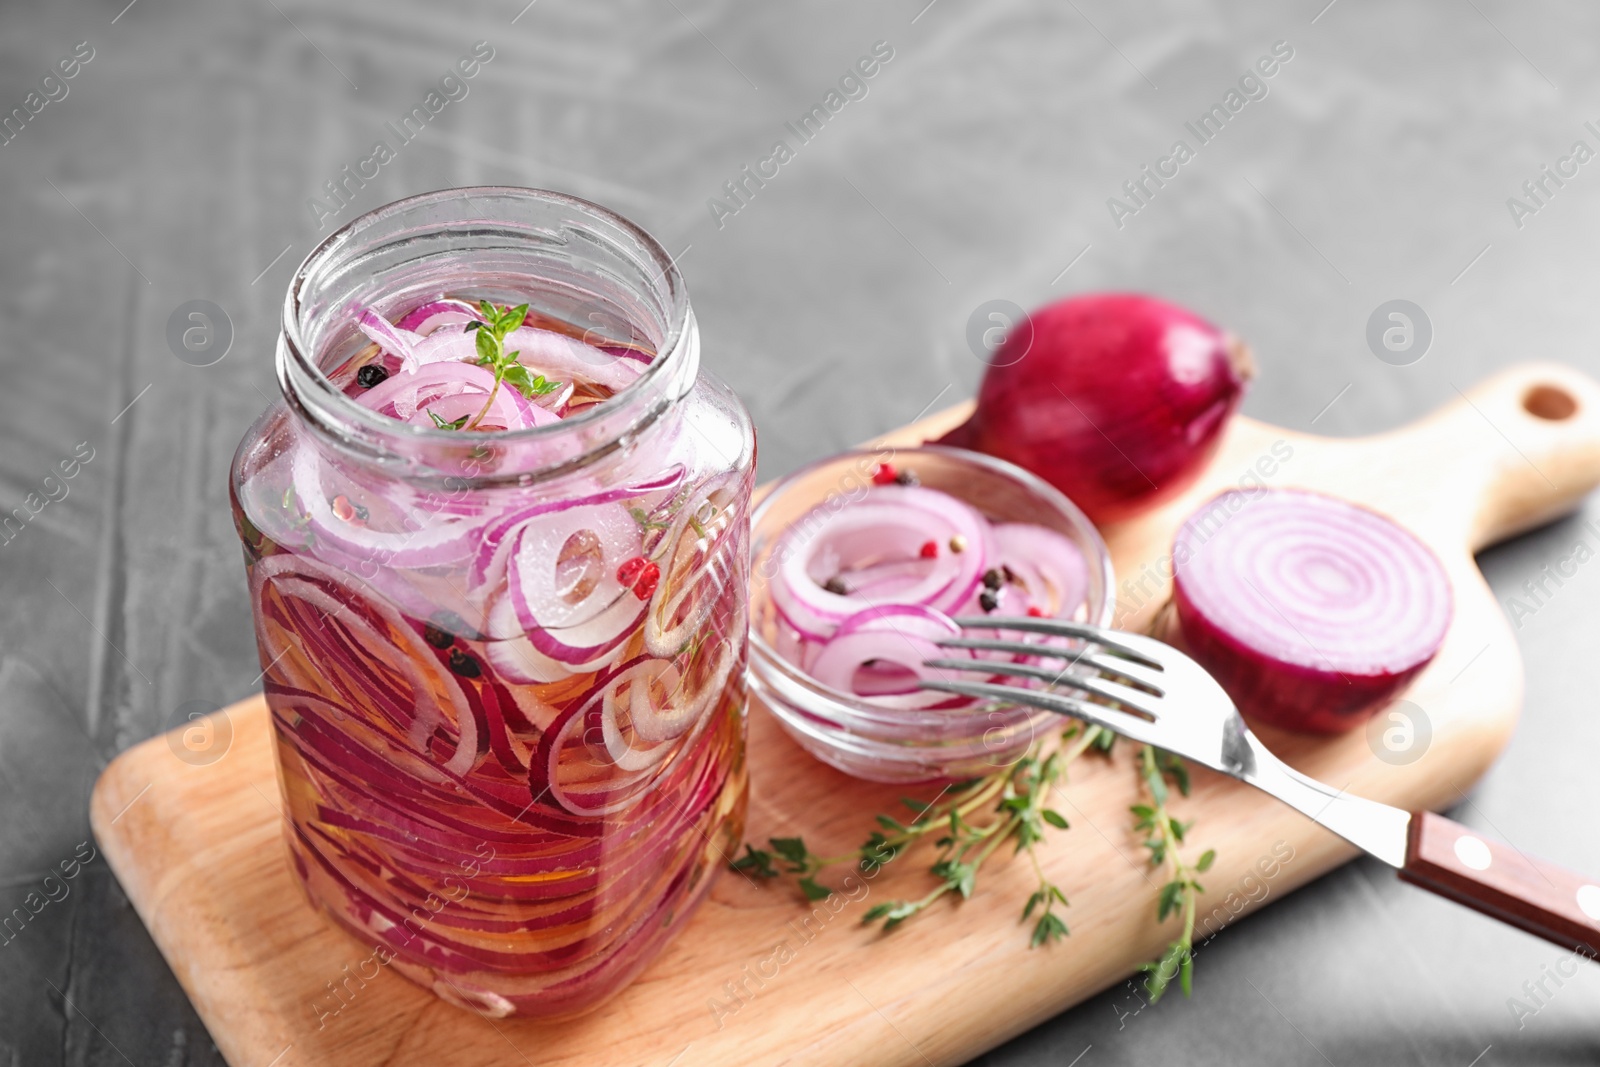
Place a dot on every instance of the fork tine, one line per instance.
(1131, 698)
(1133, 672)
(1119, 722)
(1124, 668)
(1121, 644)
(1020, 648)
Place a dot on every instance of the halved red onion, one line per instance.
(1311, 612)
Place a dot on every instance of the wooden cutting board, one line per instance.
(199, 852)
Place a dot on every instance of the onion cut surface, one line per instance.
(1311, 612)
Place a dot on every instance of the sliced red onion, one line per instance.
(1311, 612)
(1045, 564)
(289, 573)
(581, 779)
(630, 755)
(555, 355)
(434, 545)
(387, 336)
(688, 588)
(509, 410)
(878, 550)
(401, 395)
(556, 401)
(682, 703)
(497, 537)
(426, 318)
(901, 634)
(563, 570)
(515, 654)
(891, 527)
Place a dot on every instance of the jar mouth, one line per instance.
(504, 222)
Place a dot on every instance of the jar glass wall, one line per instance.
(505, 668)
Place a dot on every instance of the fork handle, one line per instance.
(1449, 859)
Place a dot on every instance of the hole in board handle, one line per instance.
(1549, 402)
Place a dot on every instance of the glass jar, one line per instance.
(506, 668)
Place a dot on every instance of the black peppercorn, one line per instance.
(987, 600)
(836, 586)
(437, 637)
(371, 375)
(907, 478)
(991, 578)
(464, 664)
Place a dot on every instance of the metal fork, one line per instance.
(1151, 693)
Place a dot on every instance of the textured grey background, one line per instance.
(179, 165)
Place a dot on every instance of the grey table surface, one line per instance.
(978, 165)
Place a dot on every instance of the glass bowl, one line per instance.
(891, 744)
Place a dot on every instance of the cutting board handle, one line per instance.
(1531, 435)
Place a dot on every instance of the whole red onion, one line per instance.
(1117, 399)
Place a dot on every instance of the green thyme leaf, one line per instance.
(813, 890)
(792, 849)
(488, 349)
(966, 824)
(756, 862)
(1050, 927)
(513, 318)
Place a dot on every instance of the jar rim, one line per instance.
(313, 394)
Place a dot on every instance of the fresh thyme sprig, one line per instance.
(492, 330)
(1016, 796)
(1164, 836)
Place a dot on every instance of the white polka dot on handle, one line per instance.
(1473, 853)
(1589, 901)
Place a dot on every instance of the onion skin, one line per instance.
(1289, 696)
(1117, 399)
(1359, 666)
